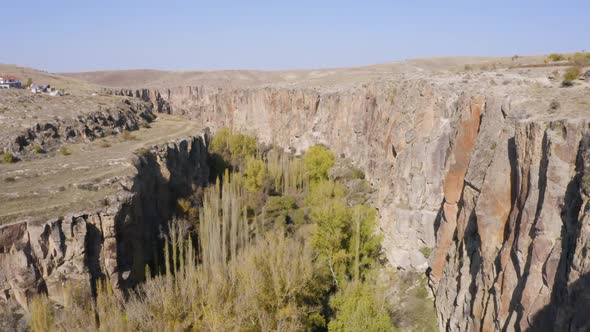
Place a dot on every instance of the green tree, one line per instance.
(318, 160)
(232, 148)
(359, 308)
(255, 175)
(344, 237)
(29, 82)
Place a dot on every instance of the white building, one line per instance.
(9, 82)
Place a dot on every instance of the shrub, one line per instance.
(8, 158)
(358, 307)
(28, 83)
(128, 136)
(9, 179)
(580, 59)
(572, 73)
(64, 151)
(425, 251)
(358, 173)
(556, 57)
(38, 149)
(318, 160)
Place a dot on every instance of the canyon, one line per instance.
(480, 167)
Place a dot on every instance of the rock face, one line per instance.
(497, 190)
(87, 127)
(116, 241)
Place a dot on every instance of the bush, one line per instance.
(580, 59)
(317, 161)
(359, 307)
(8, 158)
(556, 57)
(572, 73)
(425, 251)
(128, 136)
(64, 151)
(38, 149)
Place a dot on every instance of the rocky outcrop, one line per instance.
(116, 241)
(498, 192)
(160, 104)
(49, 136)
(511, 256)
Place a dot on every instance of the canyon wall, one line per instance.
(498, 194)
(115, 241)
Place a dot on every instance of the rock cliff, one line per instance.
(493, 178)
(116, 241)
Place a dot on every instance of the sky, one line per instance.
(86, 35)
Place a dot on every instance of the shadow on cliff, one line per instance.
(569, 308)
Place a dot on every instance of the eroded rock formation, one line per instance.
(51, 135)
(116, 241)
(491, 181)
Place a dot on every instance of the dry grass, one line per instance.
(128, 136)
(39, 192)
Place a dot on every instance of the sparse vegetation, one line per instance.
(556, 57)
(105, 144)
(38, 149)
(425, 251)
(8, 158)
(128, 136)
(580, 59)
(9, 179)
(64, 151)
(570, 75)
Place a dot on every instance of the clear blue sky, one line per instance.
(81, 35)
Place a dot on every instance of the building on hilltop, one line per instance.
(9, 82)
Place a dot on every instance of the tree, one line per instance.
(318, 160)
(29, 82)
(255, 175)
(359, 308)
(344, 237)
